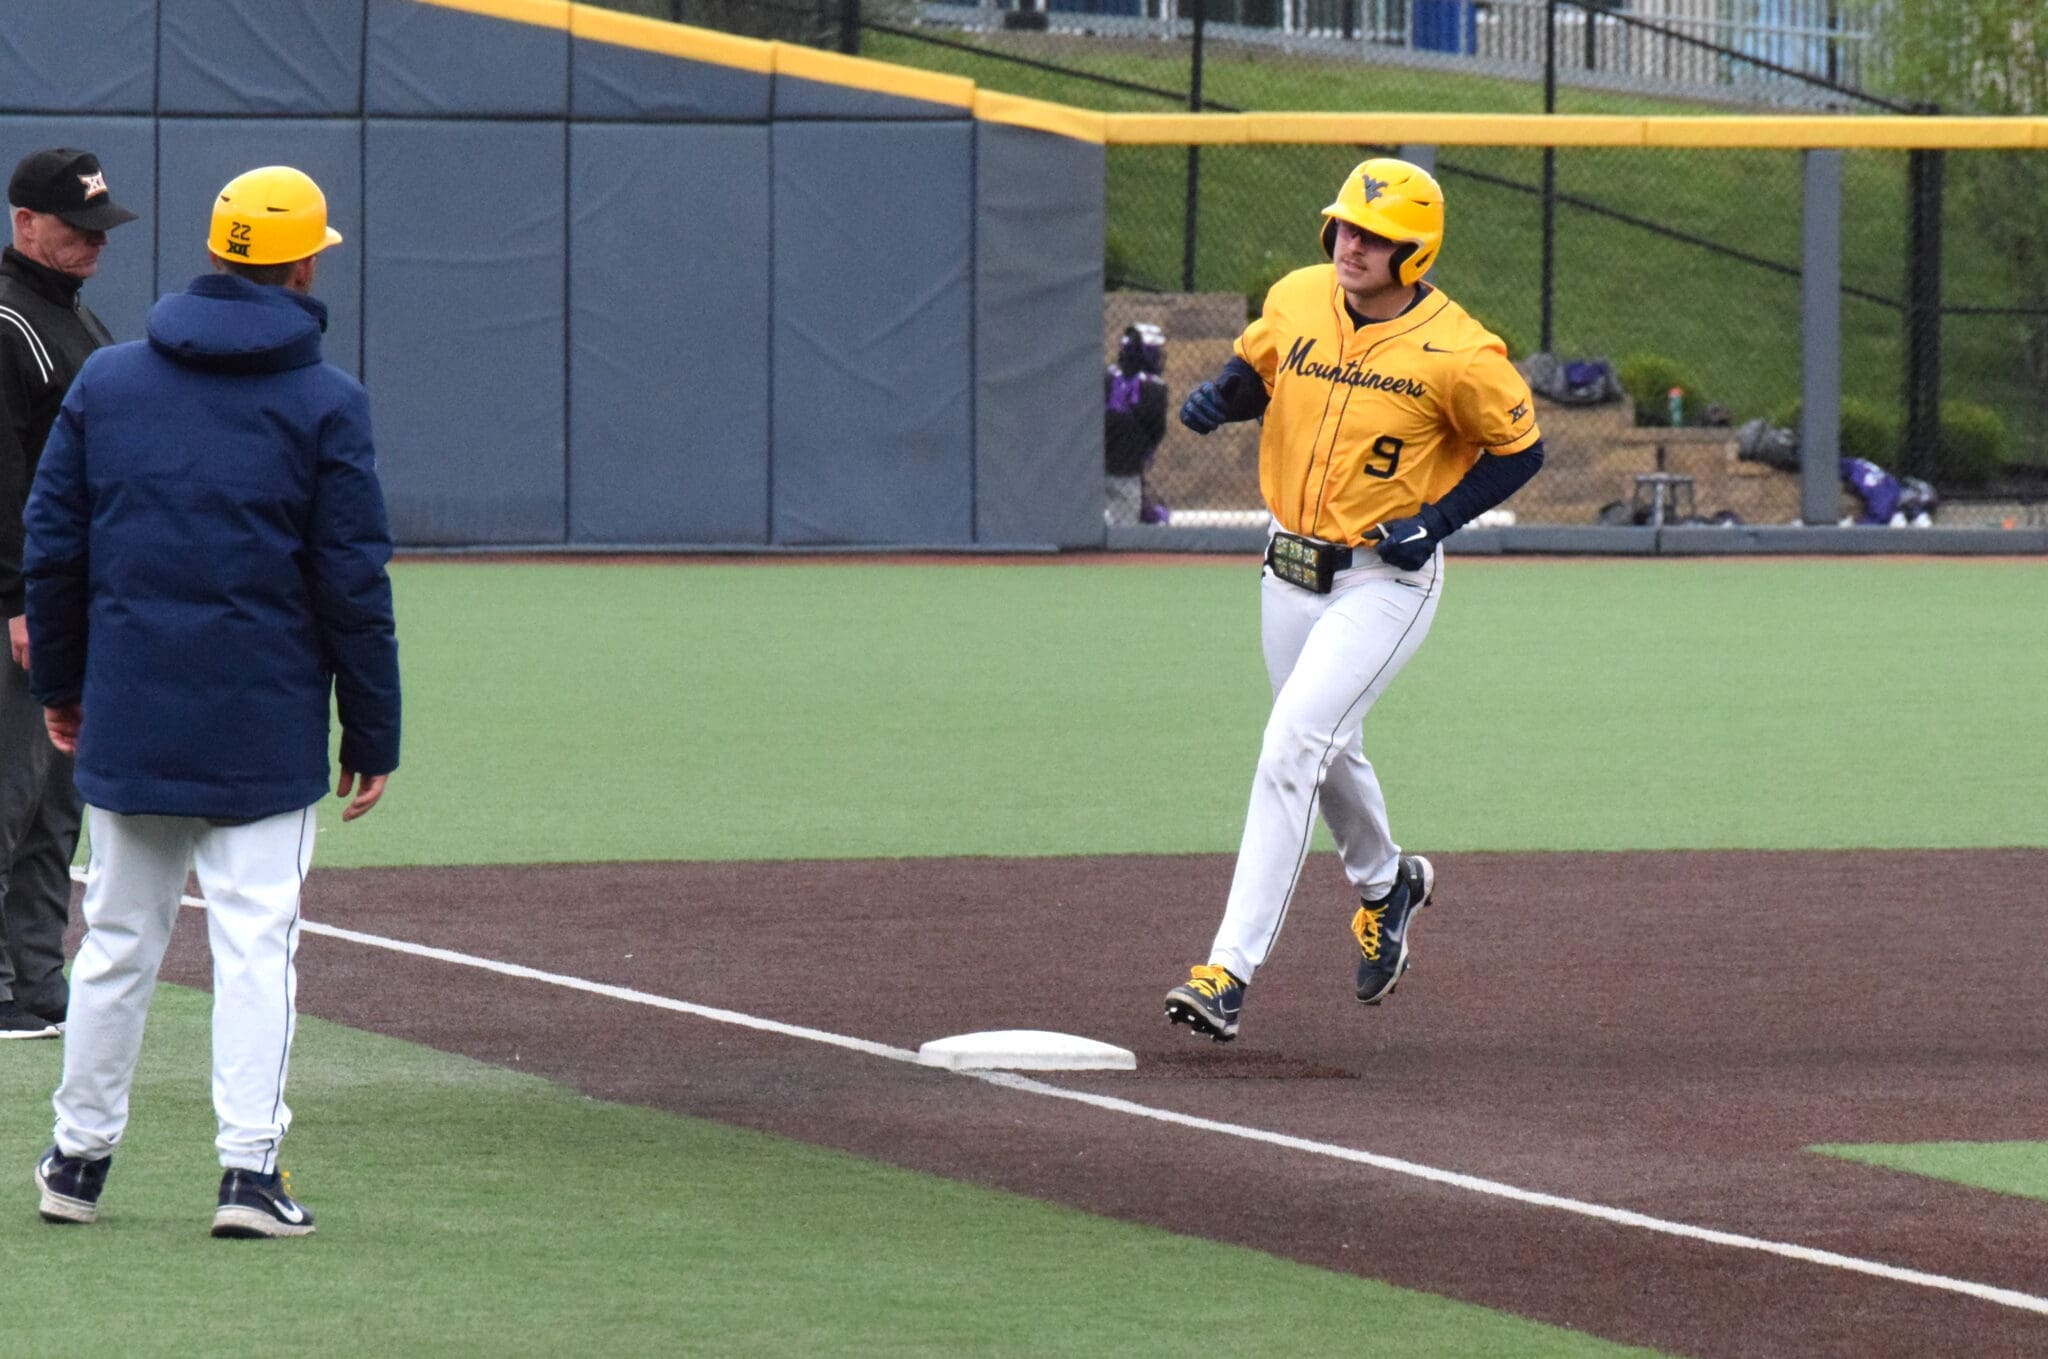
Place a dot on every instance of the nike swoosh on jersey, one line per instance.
(1429, 348)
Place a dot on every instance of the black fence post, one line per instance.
(1187, 256)
(1924, 173)
(1544, 340)
(1834, 42)
(849, 27)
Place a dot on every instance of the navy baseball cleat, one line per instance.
(1207, 1002)
(1381, 928)
(255, 1206)
(71, 1186)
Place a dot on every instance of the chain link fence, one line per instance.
(1674, 291)
(1673, 272)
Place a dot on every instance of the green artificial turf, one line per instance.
(2003, 1167)
(468, 1210)
(785, 710)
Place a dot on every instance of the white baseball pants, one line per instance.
(1329, 657)
(250, 876)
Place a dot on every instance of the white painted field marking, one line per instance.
(2004, 1297)
(625, 993)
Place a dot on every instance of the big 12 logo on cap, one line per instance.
(238, 239)
(95, 183)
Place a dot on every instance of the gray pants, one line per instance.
(39, 813)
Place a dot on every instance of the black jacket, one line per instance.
(1133, 420)
(45, 334)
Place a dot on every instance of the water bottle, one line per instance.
(1677, 395)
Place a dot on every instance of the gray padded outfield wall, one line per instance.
(1038, 233)
(873, 366)
(668, 414)
(52, 62)
(280, 56)
(464, 242)
(425, 59)
(617, 283)
(609, 81)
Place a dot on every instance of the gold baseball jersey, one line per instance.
(1369, 423)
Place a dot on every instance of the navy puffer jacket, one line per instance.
(205, 562)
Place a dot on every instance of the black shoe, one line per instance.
(16, 1022)
(254, 1206)
(1208, 1002)
(1381, 928)
(71, 1186)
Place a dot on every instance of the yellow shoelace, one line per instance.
(1210, 981)
(1366, 925)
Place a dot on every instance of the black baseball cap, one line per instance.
(68, 183)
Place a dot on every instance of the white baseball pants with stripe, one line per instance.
(250, 876)
(1329, 657)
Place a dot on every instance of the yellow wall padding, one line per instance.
(1059, 119)
(1275, 129)
(541, 13)
(1486, 129)
(671, 40)
(878, 77)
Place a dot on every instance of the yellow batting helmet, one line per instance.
(273, 215)
(1397, 202)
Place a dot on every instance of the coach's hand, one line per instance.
(63, 724)
(365, 797)
(1408, 543)
(1203, 410)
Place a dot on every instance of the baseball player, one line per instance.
(206, 569)
(1392, 418)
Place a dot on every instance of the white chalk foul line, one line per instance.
(2004, 1297)
(625, 993)
(1620, 1216)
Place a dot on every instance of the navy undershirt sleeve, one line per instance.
(1492, 479)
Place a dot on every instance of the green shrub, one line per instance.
(1648, 380)
(1971, 444)
(1867, 430)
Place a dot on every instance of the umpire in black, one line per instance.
(61, 212)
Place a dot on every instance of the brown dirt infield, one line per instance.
(1663, 1033)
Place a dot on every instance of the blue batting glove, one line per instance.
(1407, 544)
(1203, 410)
